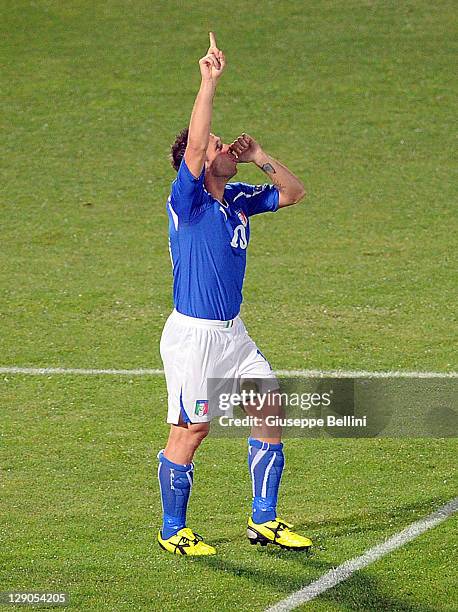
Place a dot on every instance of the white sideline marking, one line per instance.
(82, 371)
(365, 374)
(305, 373)
(347, 569)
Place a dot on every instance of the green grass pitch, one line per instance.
(357, 97)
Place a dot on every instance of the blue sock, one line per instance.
(265, 462)
(175, 481)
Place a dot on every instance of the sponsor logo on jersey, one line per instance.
(201, 407)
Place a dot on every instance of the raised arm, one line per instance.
(291, 190)
(211, 68)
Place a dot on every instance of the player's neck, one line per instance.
(215, 185)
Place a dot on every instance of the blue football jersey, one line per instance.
(208, 240)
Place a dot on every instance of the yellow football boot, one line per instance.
(186, 542)
(276, 532)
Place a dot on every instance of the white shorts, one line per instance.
(195, 350)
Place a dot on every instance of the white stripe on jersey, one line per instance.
(257, 191)
(170, 253)
(173, 213)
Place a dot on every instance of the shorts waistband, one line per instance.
(204, 322)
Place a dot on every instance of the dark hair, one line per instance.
(178, 148)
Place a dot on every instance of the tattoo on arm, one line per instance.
(268, 168)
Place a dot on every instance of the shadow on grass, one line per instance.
(396, 518)
(360, 592)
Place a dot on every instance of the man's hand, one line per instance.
(212, 64)
(246, 149)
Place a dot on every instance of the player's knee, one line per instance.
(190, 436)
(198, 432)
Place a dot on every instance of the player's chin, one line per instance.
(227, 170)
(233, 170)
(229, 173)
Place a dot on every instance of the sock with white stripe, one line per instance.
(265, 462)
(175, 482)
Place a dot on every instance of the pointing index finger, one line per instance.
(212, 40)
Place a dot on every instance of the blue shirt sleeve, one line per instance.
(256, 199)
(187, 192)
